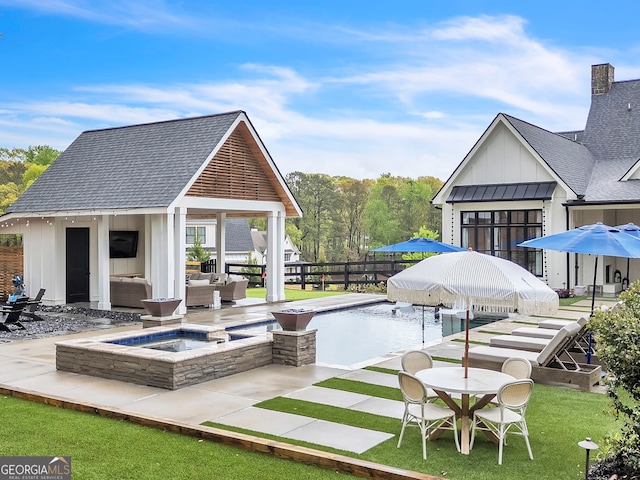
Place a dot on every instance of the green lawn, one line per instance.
(102, 448)
(558, 419)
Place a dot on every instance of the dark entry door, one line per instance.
(77, 265)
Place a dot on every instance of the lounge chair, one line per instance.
(22, 306)
(536, 344)
(554, 364)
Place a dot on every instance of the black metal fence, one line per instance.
(318, 275)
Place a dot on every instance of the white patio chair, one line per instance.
(517, 367)
(512, 403)
(426, 416)
(413, 361)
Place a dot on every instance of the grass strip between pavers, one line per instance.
(447, 359)
(493, 333)
(373, 368)
(363, 388)
(474, 342)
(344, 416)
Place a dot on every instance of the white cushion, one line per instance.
(195, 283)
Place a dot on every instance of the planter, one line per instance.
(293, 320)
(161, 307)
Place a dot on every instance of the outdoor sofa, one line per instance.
(200, 288)
(127, 292)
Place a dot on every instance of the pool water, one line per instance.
(352, 336)
(171, 341)
(177, 345)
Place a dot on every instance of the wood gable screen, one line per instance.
(238, 171)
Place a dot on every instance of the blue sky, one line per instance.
(348, 88)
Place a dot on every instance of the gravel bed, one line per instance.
(62, 323)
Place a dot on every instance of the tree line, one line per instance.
(343, 218)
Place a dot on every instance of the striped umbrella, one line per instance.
(482, 282)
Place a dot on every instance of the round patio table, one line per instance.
(450, 380)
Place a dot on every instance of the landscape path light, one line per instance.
(588, 445)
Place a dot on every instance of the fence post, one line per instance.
(346, 276)
(303, 277)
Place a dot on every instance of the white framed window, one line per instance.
(191, 235)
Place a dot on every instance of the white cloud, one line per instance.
(415, 112)
(138, 14)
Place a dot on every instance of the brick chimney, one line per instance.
(601, 78)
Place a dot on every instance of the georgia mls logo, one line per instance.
(35, 468)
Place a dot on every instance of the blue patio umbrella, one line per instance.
(420, 244)
(596, 239)
(634, 230)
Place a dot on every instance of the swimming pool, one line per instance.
(352, 336)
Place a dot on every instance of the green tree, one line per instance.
(423, 232)
(19, 168)
(617, 333)
(352, 201)
(9, 193)
(196, 252)
(316, 195)
(381, 213)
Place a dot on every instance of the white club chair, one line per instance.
(512, 403)
(413, 361)
(425, 415)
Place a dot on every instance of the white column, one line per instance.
(280, 226)
(104, 295)
(272, 257)
(180, 244)
(221, 248)
(159, 258)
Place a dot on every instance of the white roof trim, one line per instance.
(441, 198)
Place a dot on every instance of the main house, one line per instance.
(520, 181)
(116, 202)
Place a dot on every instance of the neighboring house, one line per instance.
(291, 252)
(238, 242)
(520, 181)
(118, 199)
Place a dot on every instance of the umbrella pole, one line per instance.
(466, 346)
(423, 325)
(628, 281)
(593, 292)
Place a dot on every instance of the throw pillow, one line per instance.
(206, 276)
(195, 283)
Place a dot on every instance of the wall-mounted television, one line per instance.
(123, 244)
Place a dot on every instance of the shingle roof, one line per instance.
(137, 166)
(560, 153)
(612, 133)
(592, 162)
(237, 236)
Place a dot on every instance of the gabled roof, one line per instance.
(138, 166)
(259, 238)
(570, 160)
(601, 163)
